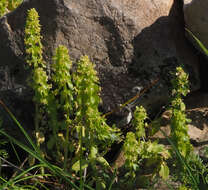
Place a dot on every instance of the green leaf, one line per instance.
(103, 161)
(164, 171)
(93, 152)
(76, 165)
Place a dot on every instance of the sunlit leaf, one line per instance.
(164, 171)
(76, 165)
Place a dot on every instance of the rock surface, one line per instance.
(131, 42)
(196, 19)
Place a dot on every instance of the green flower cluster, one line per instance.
(8, 5)
(87, 102)
(39, 79)
(138, 122)
(179, 128)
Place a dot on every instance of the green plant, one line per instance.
(183, 188)
(13, 4)
(82, 130)
(185, 159)
(15, 182)
(179, 128)
(72, 133)
(132, 144)
(8, 5)
(87, 88)
(131, 152)
(140, 116)
(55, 170)
(61, 101)
(3, 7)
(39, 79)
(71, 103)
(95, 136)
(140, 153)
(198, 168)
(179, 138)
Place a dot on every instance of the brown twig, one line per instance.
(132, 99)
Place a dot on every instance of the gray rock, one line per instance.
(196, 19)
(131, 42)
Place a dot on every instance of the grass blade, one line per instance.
(20, 126)
(199, 43)
(42, 160)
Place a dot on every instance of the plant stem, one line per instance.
(80, 161)
(66, 148)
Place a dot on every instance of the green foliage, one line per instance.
(180, 86)
(192, 172)
(138, 122)
(95, 136)
(33, 46)
(198, 170)
(87, 101)
(132, 144)
(60, 102)
(71, 131)
(3, 7)
(183, 187)
(75, 127)
(179, 128)
(131, 152)
(13, 4)
(38, 80)
(144, 153)
(62, 82)
(34, 152)
(32, 40)
(8, 5)
(154, 155)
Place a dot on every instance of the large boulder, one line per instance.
(195, 16)
(131, 42)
